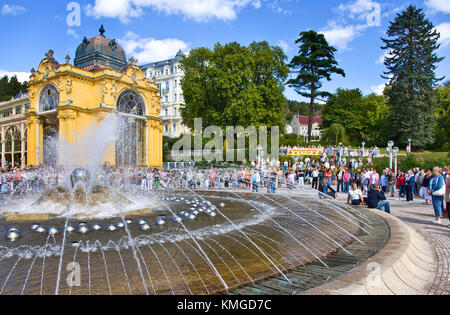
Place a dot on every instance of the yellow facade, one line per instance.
(85, 98)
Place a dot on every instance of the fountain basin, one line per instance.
(263, 240)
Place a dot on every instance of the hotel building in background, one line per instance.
(167, 74)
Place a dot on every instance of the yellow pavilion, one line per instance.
(66, 100)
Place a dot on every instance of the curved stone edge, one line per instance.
(405, 266)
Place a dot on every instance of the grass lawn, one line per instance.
(424, 154)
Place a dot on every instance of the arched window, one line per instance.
(49, 99)
(131, 102)
(9, 142)
(17, 137)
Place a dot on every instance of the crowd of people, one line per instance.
(354, 177)
(366, 186)
(340, 150)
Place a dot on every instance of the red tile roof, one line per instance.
(304, 120)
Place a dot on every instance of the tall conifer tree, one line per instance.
(411, 63)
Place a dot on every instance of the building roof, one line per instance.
(100, 52)
(304, 120)
(20, 95)
(162, 63)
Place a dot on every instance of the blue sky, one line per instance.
(152, 30)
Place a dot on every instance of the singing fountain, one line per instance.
(106, 239)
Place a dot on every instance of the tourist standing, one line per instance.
(346, 179)
(426, 184)
(437, 192)
(315, 178)
(401, 184)
(340, 182)
(409, 184)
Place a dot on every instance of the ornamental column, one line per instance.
(3, 139)
(66, 133)
(35, 140)
(154, 140)
(22, 145)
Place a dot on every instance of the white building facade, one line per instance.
(167, 74)
(13, 131)
(299, 126)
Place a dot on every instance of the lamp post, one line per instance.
(395, 150)
(390, 145)
(363, 144)
(409, 145)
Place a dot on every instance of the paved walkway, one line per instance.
(420, 217)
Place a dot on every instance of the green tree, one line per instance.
(235, 85)
(411, 63)
(10, 87)
(294, 108)
(442, 130)
(364, 117)
(314, 63)
(334, 135)
(346, 108)
(376, 114)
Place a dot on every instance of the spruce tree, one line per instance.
(411, 63)
(314, 63)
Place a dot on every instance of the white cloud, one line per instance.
(378, 89)
(439, 5)
(72, 32)
(197, 10)
(21, 76)
(351, 20)
(340, 36)
(147, 50)
(444, 29)
(13, 9)
(284, 46)
(357, 10)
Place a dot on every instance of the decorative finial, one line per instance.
(67, 59)
(33, 71)
(49, 54)
(132, 61)
(102, 30)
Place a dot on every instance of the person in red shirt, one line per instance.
(328, 175)
(401, 184)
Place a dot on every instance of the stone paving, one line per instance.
(420, 216)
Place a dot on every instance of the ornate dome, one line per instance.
(99, 53)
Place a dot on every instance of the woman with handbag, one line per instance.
(437, 190)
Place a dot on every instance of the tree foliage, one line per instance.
(235, 85)
(314, 63)
(294, 108)
(442, 131)
(10, 87)
(363, 117)
(335, 134)
(411, 63)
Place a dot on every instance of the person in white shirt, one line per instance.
(355, 196)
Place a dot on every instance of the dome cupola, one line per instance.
(100, 52)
